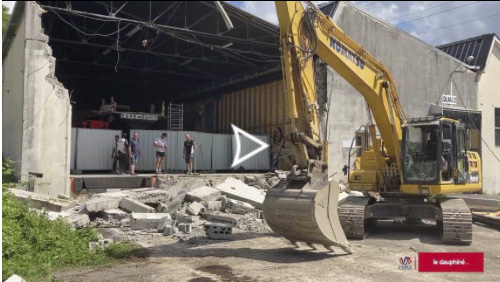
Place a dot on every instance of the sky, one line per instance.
(435, 22)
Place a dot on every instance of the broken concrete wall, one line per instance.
(45, 112)
(13, 96)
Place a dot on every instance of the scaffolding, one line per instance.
(175, 117)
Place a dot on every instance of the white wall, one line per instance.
(489, 99)
(12, 99)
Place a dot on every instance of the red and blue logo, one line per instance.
(405, 263)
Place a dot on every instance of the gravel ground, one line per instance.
(267, 257)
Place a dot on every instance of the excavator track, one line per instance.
(352, 217)
(457, 221)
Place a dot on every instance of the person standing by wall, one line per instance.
(114, 155)
(161, 147)
(188, 152)
(122, 149)
(134, 152)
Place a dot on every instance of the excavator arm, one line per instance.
(308, 32)
(304, 209)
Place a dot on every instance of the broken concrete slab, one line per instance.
(218, 231)
(42, 201)
(195, 208)
(115, 214)
(101, 203)
(238, 207)
(236, 189)
(185, 227)
(203, 193)
(78, 220)
(146, 220)
(273, 181)
(133, 205)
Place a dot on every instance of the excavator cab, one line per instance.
(434, 152)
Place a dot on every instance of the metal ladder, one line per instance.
(175, 116)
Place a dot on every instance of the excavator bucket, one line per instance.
(306, 212)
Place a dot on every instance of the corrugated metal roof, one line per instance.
(478, 47)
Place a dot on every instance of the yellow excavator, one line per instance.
(404, 170)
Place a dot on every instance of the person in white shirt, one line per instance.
(122, 150)
(161, 147)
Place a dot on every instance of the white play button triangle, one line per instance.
(237, 158)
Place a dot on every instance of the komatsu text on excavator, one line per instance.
(406, 171)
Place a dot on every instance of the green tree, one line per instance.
(5, 19)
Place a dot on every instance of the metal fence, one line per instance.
(91, 150)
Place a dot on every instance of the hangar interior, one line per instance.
(142, 56)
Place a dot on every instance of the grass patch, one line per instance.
(34, 246)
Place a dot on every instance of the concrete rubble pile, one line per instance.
(180, 207)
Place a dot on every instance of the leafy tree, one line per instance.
(5, 19)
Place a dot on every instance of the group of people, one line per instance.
(123, 150)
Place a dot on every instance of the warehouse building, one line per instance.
(127, 65)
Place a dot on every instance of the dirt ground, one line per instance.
(266, 257)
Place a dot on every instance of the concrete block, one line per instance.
(195, 208)
(203, 193)
(227, 218)
(78, 220)
(115, 214)
(132, 205)
(185, 227)
(184, 218)
(236, 189)
(214, 205)
(102, 203)
(238, 207)
(280, 174)
(219, 231)
(170, 230)
(146, 220)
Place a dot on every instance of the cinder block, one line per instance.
(146, 220)
(232, 219)
(259, 214)
(219, 231)
(184, 218)
(195, 208)
(185, 227)
(132, 205)
(203, 193)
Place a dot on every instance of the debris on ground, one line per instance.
(181, 208)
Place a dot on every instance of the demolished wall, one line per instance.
(45, 112)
